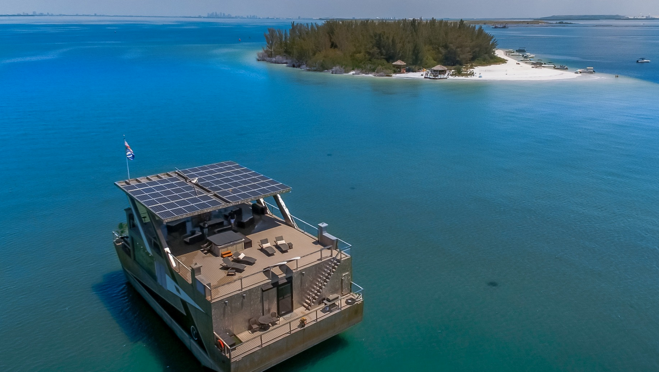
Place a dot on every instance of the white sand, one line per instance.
(511, 70)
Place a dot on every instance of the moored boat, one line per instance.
(199, 245)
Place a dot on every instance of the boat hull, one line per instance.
(201, 356)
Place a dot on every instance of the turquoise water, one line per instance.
(496, 226)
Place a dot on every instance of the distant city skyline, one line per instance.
(337, 8)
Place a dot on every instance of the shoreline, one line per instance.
(512, 70)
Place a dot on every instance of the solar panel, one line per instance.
(233, 182)
(171, 197)
(223, 184)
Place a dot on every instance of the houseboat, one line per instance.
(242, 283)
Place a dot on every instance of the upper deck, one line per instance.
(306, 250)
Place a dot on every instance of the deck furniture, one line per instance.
(243, 224)
(266, 321)
(227, 337)
(226, 254)
(254, 325)
(245, 259)
(216, 222)
(281, 243)
(194, 237)
(233, 265)
(231, 272)
(205, 247)
(259, 209)
(331, 299)
(266, 247)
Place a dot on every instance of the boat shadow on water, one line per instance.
(310, 357)
(142, 325)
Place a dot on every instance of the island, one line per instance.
(381, 47)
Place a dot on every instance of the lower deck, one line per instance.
(299, 320)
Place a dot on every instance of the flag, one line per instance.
(129, 152)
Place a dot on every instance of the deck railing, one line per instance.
(181, 269)
(294, 325)
(309, 229)
(258, 278)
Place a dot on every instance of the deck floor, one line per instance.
(266, 227)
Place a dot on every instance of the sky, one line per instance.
(337, 8)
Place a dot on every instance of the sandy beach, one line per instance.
(511, 70)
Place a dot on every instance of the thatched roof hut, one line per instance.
(401, 65)
(439, 68)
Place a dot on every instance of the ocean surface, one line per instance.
(496, 226)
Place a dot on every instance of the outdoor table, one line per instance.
(266, 320)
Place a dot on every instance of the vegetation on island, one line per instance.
(372, 46)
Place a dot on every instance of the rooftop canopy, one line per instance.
(439, 68)
(399, 63)
(184, 193)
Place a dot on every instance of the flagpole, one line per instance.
(127, 166)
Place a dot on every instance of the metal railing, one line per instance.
(294, 325)
(245, 282)
(181, 269)
(310, 229)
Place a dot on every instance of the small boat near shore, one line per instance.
(642, 60)
(560, 67)
(587, 70)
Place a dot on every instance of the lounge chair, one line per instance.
(232, 265)
(266, 247)
(245, 259)
(281, 243)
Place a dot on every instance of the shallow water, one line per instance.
(548, 189)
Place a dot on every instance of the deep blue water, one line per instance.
(549, 189)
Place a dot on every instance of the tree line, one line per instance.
(371, 45)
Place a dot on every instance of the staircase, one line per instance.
(320, 283)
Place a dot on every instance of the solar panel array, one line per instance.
(171, 197)
(234, 183)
